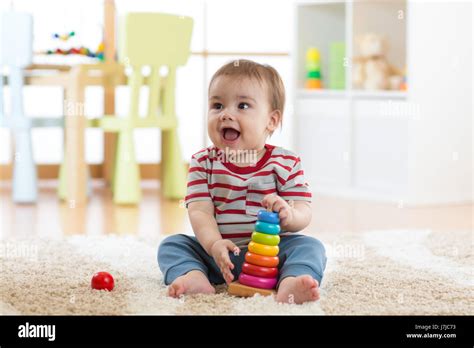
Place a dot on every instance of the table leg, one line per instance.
(76, 167)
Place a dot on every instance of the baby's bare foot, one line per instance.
(193, 282)
(298, 289)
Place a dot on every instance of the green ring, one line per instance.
(266, 239)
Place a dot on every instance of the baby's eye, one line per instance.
(217, 106)
(244, 106)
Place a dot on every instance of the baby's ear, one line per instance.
(275, 120)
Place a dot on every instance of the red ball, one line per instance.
(102, 281)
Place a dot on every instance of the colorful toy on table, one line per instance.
(83, 51)
(403, 85)
(259, 271)
(64, 37)
(313, 69)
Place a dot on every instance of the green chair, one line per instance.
(151, 40)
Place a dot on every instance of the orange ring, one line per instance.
(260, 260)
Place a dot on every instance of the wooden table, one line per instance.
(74, 79)
(81, 76)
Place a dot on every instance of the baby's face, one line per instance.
(239, 114)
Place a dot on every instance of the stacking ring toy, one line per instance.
(259, 271)
(257, 282)
(268, 216)
(260, 260)
(266, 239)
(265, 227)
(265, 250)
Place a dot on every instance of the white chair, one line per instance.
(16, 50)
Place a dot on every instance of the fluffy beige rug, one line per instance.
(377, 272)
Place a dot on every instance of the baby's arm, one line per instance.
(292, 218)
(201, 215)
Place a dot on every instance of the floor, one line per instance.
(156, 216)
(382, 258)
(52, 218)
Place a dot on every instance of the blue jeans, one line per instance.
(299, 255)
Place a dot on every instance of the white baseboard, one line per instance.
(366, 195)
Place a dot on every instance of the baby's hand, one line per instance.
(277, 204)
(220, 252)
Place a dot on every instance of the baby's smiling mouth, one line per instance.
(230, 134)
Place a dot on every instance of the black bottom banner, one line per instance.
(292, 330)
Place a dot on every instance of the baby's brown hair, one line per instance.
(263, 73)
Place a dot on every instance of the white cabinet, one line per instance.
(381, 147)
(323, 141)
(355, 146)
(348, 141)
(412, 146)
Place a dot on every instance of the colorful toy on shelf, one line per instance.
(259, 271)
(313, 69)
(337, 65)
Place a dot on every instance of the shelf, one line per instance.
(321, 93)
(376, 144)
(318, 25)
(379, 94)
(334, 93)
(385, 18)
(335, 29)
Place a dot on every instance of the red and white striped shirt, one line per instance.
(237, 192)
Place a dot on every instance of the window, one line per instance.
(223, 30)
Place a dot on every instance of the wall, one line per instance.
(440, 83)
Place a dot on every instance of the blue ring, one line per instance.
(265, 227)
(268, 216)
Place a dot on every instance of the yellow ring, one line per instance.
(265, 250)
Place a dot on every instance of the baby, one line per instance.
(229, 182)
